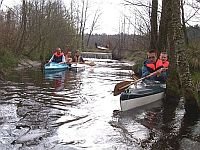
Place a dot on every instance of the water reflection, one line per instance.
(69, 110)
(58, 79)
(165, 126)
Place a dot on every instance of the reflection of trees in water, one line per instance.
(33, 114)
(35, 119)
(58, 79)
(39, 110)
(175, 126)
(165, 128)
(62, 80)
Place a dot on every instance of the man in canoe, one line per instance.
(68, 57)
(58, 57)
(78, 58)
(154, 65)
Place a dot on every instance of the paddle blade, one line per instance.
(135, 77)
(120, 87)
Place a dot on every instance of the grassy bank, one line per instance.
(8, 60)
(196, 80)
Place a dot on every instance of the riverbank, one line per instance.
(22, 64)
(27, 63)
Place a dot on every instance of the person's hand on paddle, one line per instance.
(158, 72)
(164, 69)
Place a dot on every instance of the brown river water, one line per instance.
(77, 111)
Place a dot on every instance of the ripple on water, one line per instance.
(76, 111)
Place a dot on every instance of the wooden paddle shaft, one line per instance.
(137, 81)
(130, 84)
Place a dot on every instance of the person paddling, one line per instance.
(68, 58)
(58, 57)
(153, 64)
(78, 58)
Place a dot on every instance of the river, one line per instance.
(77, 110)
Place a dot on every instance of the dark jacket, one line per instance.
(58, 57)
(149, 67)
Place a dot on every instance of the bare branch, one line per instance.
(1, 3)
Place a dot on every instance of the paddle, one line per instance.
(47, 64)
(135, 77)
(120, 87)
(90, 63)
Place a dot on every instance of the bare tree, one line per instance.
(83, 21)
(154, 25)
(1, 3)
(164, 24)
(94, 22)
(21, 41)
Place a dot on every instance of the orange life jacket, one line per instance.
(166, 64)
(57, 57)
(154, 66)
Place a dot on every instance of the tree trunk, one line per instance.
(95, 19)
(189, 92)
(164, 24)
(184, 26)
(173, 81)
(21, 42)
(154, 25)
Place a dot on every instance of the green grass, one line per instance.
(196, 81)
(7, 59)
(196, 76)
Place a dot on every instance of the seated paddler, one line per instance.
(164, 59)
(58, 57)
(154, 66)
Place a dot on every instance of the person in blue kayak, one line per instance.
(78, 58)
(58, 57)
(155, 66)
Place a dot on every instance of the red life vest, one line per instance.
(166, 64)
(154, 66)
(57, 57)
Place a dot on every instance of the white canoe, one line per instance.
(77, 67)
(141, 95)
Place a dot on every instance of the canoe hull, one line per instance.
(139, 97)
(55, 67)
(77, 67)
(137, 102)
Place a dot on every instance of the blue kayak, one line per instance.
(55, 67)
